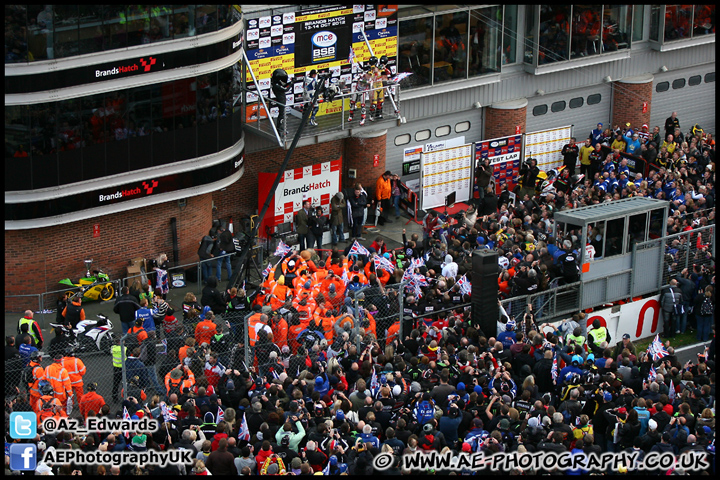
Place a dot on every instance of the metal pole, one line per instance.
(124, 371)
(279, 176)
(262, 99)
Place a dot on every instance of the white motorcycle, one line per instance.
(90, 335)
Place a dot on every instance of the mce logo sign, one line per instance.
(324, 47)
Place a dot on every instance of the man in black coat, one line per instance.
(125, 306)
(483, 172)
(528, 173)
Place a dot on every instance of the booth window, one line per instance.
(614, 237)
(540, 110)
(558, 106)
(403, 139)
(678, 83)
(576, 102)
(662, 87)
(462, 127)
(710, 77)
(422, 135)
(637, 230)
(694, 80)
(443, 131)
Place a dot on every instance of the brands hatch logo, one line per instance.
(134, 67)
(149, 188)
(131, 192)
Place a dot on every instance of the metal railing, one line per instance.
(269, 108)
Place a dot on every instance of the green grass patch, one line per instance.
(680, 340)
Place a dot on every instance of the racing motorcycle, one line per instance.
(93, 286)
(89, 335)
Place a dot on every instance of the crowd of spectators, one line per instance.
(332, 384)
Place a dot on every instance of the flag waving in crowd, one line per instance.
(126, 416)
(656, 349)
(464, 284)
(244, 433)
(358, 249)
(383, 263)
(652, 374)
(554, 370)
(167, 413)
(282, 249)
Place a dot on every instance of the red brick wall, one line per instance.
(628, 100)
(36, 259)
(501, 122)
(359, 153)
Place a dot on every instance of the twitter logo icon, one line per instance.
(23, 425)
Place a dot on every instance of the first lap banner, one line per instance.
(504, 155)
(317, 39)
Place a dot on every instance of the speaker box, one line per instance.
(484, 297)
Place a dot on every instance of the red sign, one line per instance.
(517, 129)
(644, 109)
(376, 160)
(96, 230)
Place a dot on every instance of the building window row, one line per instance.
(679, 83)
(560, 105)
(425, 134)
(679, 22)
(559, 32)
(441, 46)
(111, 133)
(44, 32)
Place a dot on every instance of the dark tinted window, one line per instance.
(662, 87)
(678, 83)
(695, 80)
(540, 110)
(709, 77)
(558, 106)
(577, 102)
(594, 98)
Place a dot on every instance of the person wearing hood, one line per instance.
(449, 267)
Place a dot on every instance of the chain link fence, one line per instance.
(691, 250)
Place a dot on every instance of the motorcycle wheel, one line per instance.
(106, 344)
(107, 293)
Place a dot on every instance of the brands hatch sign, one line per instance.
(129, 67)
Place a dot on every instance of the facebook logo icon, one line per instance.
(23, 456)
(23, 425)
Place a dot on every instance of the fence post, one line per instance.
(401, 311)
(246, 341)
(199, 277)
(124, 370)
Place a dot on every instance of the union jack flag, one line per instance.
(126, 416)
(345, 278)
(244, 430)
(282, 249)
(221, 414)
(657, 349)
(358, 249)
(384, 263)
(167, 413)
(465, 287)
(554, 369)
(374, 384)
(266, 272)
(652, 375)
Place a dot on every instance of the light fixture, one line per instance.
(607, 79)
(663, 68)
(403, 120)
(540, 92)
(477, 105)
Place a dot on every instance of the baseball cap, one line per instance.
(578, 359)
(652, 424)
(466, 447)
(607, 396)
(600, 124)
(626, 336)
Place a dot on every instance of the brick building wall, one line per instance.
(502, 119)
(628, 97)
(36, 259)
(359, 153)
